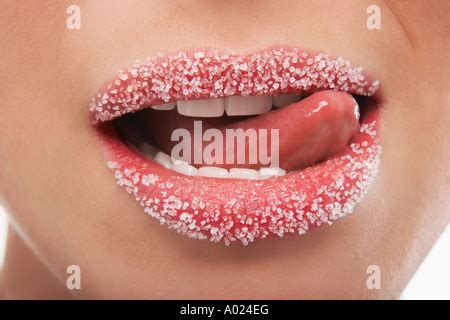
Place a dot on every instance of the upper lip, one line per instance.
(221, 210)
(202, 74)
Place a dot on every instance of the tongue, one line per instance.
(310, 131)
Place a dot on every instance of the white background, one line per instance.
(432, 280)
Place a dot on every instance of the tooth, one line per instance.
(147, 149)
(202, 108)
(285, 99)
(184, 168)
(266, 173)
(176, 161)
(248, 105)
(164, 159)
(213, 172)
(239, 173)
(165, 106)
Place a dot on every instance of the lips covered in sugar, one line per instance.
(207, 202)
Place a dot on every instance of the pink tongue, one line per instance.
(310, 130)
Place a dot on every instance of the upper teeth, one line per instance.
(284, 100)
(202, 108)
(247, 106)
(232, 106)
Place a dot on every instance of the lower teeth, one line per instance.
(208, 171)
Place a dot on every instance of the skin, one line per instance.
(65, 208)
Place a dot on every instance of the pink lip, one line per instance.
(227, 209)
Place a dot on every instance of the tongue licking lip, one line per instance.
(310, 130)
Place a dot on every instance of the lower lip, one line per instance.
(229, 210)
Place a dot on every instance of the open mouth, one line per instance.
(308, 154)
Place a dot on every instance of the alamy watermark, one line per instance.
(228, 148)
(373, 282)
(73, 281)
(374, 19)
(73, 21)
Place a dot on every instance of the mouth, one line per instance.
(316, 114)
